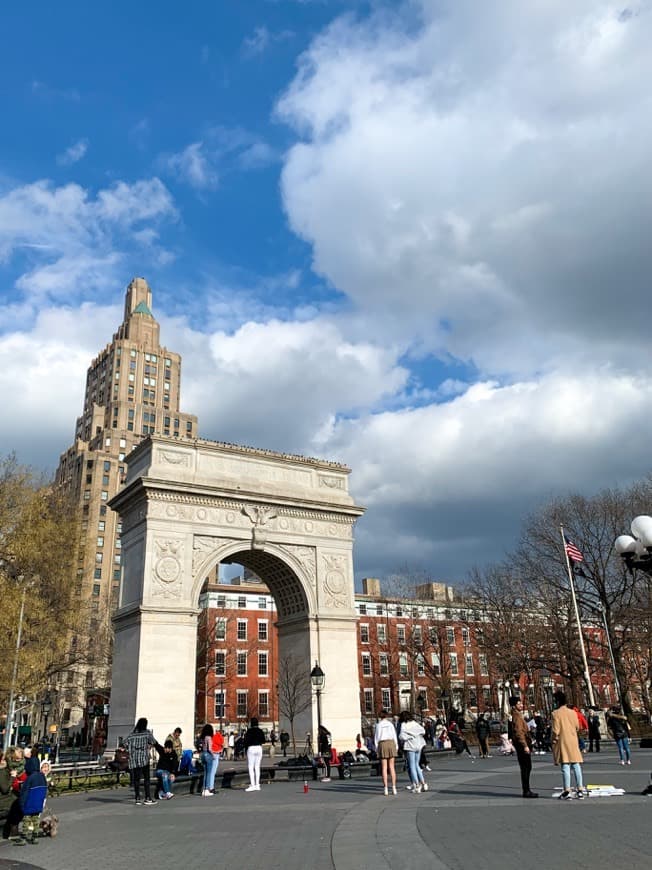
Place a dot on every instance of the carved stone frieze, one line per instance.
(168, 567)
(307, 558)
(174, 457)
(331, 482)
(334, 583)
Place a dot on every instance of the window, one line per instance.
(87, 495)
(100, 540)
(386, 696)
(241, 668)
(219, 705)
(364, 634)
(98, 558)
(369, 701)
(400, 633)
(366, 665)
(384, 664)
(116, 558)
(363, 610)
(242, 629)
(482, 660)
(466, 636)
(104, 495)
(421, 665)
(263, 704)
(220, 628)
(469, 665)
(241, 710)
(262, 603)
(381, 632)
(262, 665)
(242, 601)
(399, 610)
(262, 629)
(453, 660)
(450, 636)
(416, 634)
(221, 600)
(101, 526)
(436, 664)
(96, 589)
(220, 663)
(107, 465)
(403, 664)
(116, 574)
(97, 574)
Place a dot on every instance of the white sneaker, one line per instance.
(252, 788)
(424, 786)
(417, 789)
(409, 787)
(207, 793)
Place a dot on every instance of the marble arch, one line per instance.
(187, 506)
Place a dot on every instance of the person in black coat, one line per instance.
(594, 730)
(482, 731)
(253, 741)
(166, 769)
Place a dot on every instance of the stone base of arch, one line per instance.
(185, 508)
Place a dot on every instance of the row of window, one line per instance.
(416, 612)
(241, 602)
(242, 702)
(420, 664)
(242, 629)
(417, 633)
(241, 659)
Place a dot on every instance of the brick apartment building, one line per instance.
(427, 653)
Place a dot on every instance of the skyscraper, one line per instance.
(132, 390)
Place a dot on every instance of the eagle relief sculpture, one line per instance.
(259, 516)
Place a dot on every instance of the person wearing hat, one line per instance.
(522, 741)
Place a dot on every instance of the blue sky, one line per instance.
(410, 236)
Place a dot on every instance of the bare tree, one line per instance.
(294, 691)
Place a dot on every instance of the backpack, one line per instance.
(218, 743)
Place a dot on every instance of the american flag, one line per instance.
(573, 553)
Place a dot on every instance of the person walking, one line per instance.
(387, 748)
(285, 741)
(254, 739)
(324, 744)
(565, 746)
(619, 726)
(594, 730)
(208, 759)
(482, 731)
(139, 744)
(522, 741)
(411, 736)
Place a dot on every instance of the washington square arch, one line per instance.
(187, 506)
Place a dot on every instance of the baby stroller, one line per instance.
(506, 746)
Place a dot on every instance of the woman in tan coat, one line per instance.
(566, 747)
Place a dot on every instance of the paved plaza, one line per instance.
(472, 817)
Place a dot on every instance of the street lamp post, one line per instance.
(46, 707)
(318, 678)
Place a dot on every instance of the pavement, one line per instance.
(472, 817)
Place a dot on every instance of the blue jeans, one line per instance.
(623, 748)
(416, 775)
(210, 760)
(166, 782)
(566, 774)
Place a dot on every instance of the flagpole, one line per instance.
(587, 676)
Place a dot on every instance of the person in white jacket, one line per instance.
(411, 735)
(387, 748)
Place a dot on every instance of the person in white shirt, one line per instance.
(387, 748)
(411, 735)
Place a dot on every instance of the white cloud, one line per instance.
(70, 242)
(262, 38)
(74, 153)
(481, 170)
(193, 165)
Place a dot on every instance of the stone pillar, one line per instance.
(155, 658)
